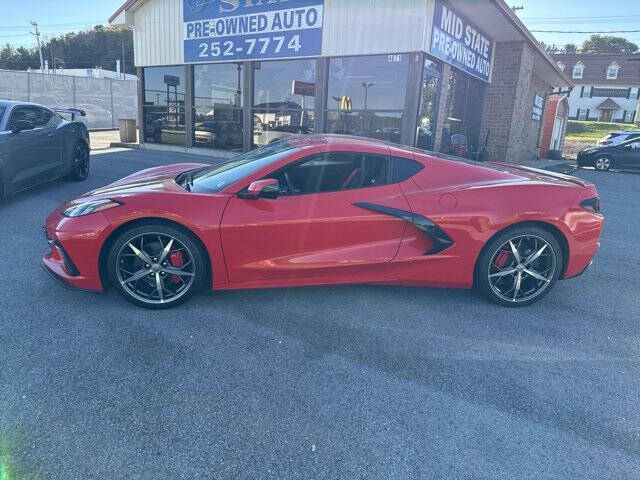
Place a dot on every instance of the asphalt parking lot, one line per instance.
(357, 382)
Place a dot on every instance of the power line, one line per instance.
(573, 31)
(580, 18)
(53, 25)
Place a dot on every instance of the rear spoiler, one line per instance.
(71, 111)
(547, 173)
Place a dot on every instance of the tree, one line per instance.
(608, 44)
(98, 47)
(7, 52)
(570, 48)
(549, 48)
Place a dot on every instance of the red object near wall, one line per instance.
(555, 126)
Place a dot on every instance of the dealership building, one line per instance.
(463, 77)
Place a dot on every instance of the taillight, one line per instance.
(591, 204)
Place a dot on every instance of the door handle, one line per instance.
(49, 134)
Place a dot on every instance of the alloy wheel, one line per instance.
(603, 163)
(522, 268)
(81, 161)
(155, 268)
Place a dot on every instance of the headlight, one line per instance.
(85, 208)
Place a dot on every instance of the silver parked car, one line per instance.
(38, 145)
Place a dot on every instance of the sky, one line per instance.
(61, 16)
(54, 17)
(579, 15)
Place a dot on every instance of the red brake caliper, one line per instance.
(501, 259)
(176, 260)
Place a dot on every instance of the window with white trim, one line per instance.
(561, 66)
(612, 71)
(628, 117)
(578, 70)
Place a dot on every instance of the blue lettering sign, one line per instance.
(233, 30)
(461, 43)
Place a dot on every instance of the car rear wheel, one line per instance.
(603, 164)
(156, 266)
(79, 162)
(519, 266)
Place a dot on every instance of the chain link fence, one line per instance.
(105, 100)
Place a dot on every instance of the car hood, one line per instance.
(600, 148)
(154, 179)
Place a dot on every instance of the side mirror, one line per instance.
(20, 125)
(267, 188)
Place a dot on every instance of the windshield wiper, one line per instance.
(185, 179)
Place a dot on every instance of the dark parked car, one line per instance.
(38, 145)
(624, 156)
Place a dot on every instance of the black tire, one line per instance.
(116, 258)
(80, 162)
(488, 271)
(603, 163)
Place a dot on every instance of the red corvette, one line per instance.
(318, 210)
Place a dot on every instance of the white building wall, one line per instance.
(157, 33)
(575, 102)
(361, 27)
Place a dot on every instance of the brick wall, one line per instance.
(508, 105)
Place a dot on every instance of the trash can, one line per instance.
(128, 133)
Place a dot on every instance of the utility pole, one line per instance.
(36, 33)
(366, 87)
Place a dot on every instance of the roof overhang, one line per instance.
(609, 104)
(498, 19)
(122, 16)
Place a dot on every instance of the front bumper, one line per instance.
(584, 160)
(75, 245)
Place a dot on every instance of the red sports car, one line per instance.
(317, 210)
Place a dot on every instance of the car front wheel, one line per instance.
(519, 266)
(156, 266)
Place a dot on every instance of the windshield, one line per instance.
(219, 177)
(633, 140)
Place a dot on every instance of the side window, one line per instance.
(403, 169)
(330, 172)
(42, 117)
(22, 114)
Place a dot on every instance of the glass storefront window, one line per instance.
(366, 96)
(428, 105)
(284, 100)
(218, 101)
(463, 115)
(164, 105)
